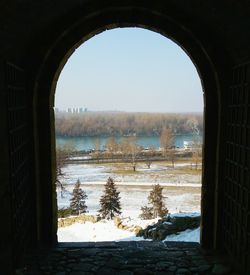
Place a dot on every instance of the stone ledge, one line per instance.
(63, 222)
(141, 257)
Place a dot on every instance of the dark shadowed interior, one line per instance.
(38, 37)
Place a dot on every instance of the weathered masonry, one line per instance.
(37, 37)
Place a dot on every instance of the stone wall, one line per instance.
(63, 222)
(39, 36)
(236, 200)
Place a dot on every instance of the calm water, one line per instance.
(87, 143)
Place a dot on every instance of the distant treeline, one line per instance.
(125, 124)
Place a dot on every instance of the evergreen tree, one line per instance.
(155, 199)
(110, 201)
(77, 202)
(146, 213)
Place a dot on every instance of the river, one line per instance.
(88, 143)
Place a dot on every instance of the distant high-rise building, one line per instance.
(76, 110)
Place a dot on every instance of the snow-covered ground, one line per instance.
(181, 192)
(185, 214)
(158, 173)
(95, 232)
(107, 231)
(177, 198)
(185, 236)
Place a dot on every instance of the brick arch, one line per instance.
(69, 32)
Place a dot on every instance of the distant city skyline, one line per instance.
(130, 70)
(84, 109)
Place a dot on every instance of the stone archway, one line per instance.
(70, 31)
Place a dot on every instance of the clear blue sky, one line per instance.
(130, 69)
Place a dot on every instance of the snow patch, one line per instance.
(189, 235)
(80, 158)
(184, 214)
(167, 223)
(95, 232)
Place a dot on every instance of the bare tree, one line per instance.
(148, 162)
(106, 124)
(111, 146)
(131, 150)
(196, 156)
(97, 148)
(193, 125)
(171, 153)
(196, 145)
(167, 142)
(196, 151)
(149, 156)
(62, 154)
(123, 148)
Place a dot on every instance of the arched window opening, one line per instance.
(129, 109)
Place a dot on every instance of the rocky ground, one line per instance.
(171, 224)
(91, 228)
(126, 258)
